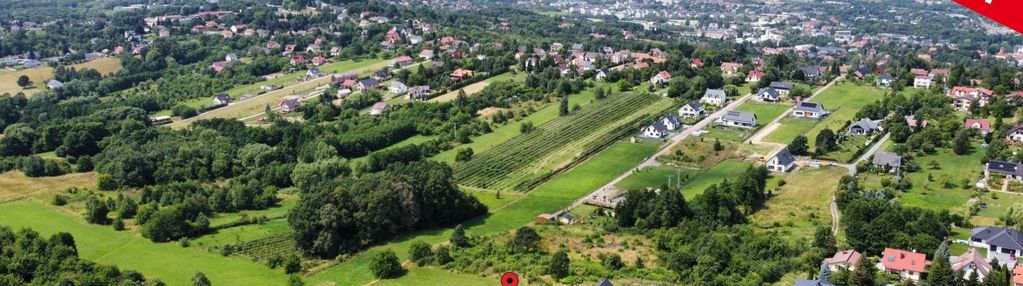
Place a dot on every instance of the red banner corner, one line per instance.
(1005, 12)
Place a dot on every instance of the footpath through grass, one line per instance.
(165, 261)
(548, 197)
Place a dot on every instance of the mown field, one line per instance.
(842, 100)
(947, 187)
(168, 262)
(15, 185)
(519, 163)
(548, 197)
(477, 87)
(257, 105)
(39, 75)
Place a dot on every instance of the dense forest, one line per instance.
(27, 258)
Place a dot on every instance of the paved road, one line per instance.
(608, 190)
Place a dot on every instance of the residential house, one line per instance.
(1004, 244)
(289, 104)
(398, 87)
(419, 92)
(298, 60)
(601, 74)
(320, 60)
(655, 130)
(160, 120)
(863, 71)
(314, 72)
(379, 108)
(384, 74)
(605, 282)
(822, 281)
(783, 161)
(730, 68)
(714, 97)
(343, 93)
(905, 264)
(661, 78)
(754, 75)
(696, 63)
(221, 99)
(864, 127)
(914, 123)
(1010, 170)
(219, 66)
(809, 110)
(232, 57)
(922, 82)
(691, 110)
(402, 61)
(783, 87)
(885, 80)
(845, 259)
(964, 98)
(426, 54)
(460, 74)
(1015, 134)
(969, 263)
(54, 84)
(367, 84)
(980, 124)
(813, 72)
(887, 161)
(739, 119)
(769, 94)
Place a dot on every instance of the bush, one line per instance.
(292, 264)
(386, 265)
(420, 253)
(59, 200)
(184, 111)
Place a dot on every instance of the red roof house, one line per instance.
(906, 264)
(846, 259)
(978, 123)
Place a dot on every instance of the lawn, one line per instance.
(801, 204)
(39, 75)
(429, 276)
(655, 177)
(165, 261)
(945, 189)
(765, 111)
(257, 105)
(998, 204)
(508, 131)
(477, 87)
(548, 197)
(15, 185)
(842, 100)
(720, 172)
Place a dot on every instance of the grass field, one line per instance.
(168, 262)
(945, 191)
(724, 170)
(15, 185)
(477, 87)
(842, 100)
(802, 204)
(765, 111)
(256, 105)
(39, 75)
(428, 276)
(548, 197)
(508, 131)
(655, 177)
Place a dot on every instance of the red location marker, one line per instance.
(510, 279)
(1005, 12)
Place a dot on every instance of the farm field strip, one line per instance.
(478, 86)
(507, 165)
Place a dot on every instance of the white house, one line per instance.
(768, 94)
(1016, 134)
(905, 264)
(656, 130)
(714, 97)
(661, 78)
(221, 99)
(809, 110)
(783, 87)
(922, 82)
(1004, 244)
(781, 162)
(670, 122)
(398, 88)
(691, 110)
(739, 119)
